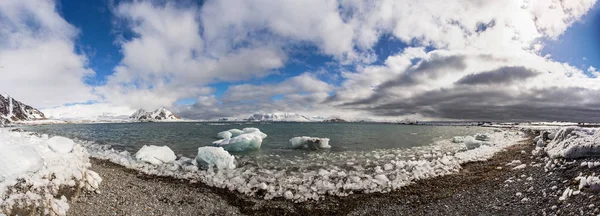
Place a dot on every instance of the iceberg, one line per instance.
(311, 143)
(215, 156)
(236, 140)
(156, 155)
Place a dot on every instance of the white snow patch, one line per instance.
(312, 143)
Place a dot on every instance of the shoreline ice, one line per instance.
(34, 170)
(318, 174)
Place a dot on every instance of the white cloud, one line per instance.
(38, 62)
(177, 50)
(166, 60)
(97, 111)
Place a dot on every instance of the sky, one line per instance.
(498, 60)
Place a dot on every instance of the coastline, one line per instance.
(478, 187)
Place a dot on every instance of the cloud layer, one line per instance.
(473, 60)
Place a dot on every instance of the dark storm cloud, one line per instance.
(467, 103)
(503, 75)
(425, 70)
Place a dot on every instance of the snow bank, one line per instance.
(156, 155)
(311, 143)
(215, 156)
(34, 170)
(574, 142)
(235, 140)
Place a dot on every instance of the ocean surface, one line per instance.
(184, 138)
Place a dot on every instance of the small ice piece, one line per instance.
(156, 155)
(565, 194)
(482, 137)
(288, 195)
(519, 194)
(60, 144)
(522, 166)
(514, 163)
(215, 156)
(310, 143)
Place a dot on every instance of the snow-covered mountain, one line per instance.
(161, 114)
(13, 110)
(285, 117)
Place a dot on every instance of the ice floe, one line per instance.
(310, 143)
(236, 140)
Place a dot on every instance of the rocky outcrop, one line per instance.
(12, 110)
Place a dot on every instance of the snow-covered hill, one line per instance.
(12, 110)
(285, 117)
(161, 114)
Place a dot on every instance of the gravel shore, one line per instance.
(481, 188)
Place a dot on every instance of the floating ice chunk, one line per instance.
(575, 142)
(236, 140)
(215, 156)
(60, 144)
(156, 155)
(17, 159)
(566, 194)
(241, 143)
(224, 135)
(311, 143)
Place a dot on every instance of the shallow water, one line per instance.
(185, 137)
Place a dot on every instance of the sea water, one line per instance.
(184, 138)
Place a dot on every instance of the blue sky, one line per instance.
(354, 59)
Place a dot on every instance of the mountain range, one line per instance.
(12, 110)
